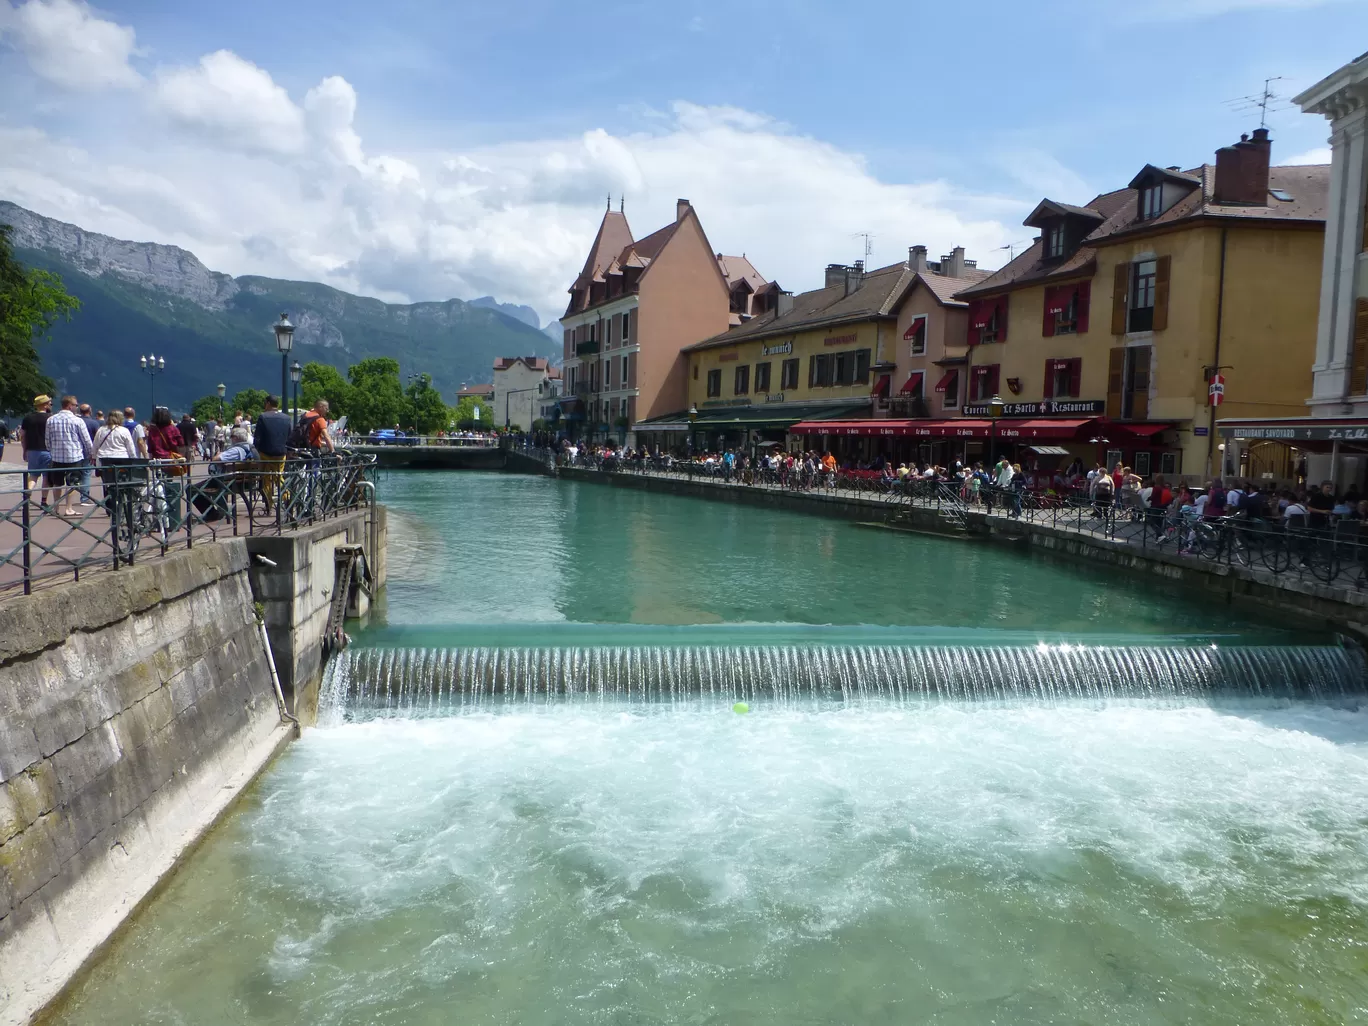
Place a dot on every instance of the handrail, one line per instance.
(136, 509)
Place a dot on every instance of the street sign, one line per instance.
(1216, 390)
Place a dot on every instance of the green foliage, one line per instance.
(377, 398)
(31, 302)
(464, 415)
(424, 408)
(249, 402)
(324, 381)
(207, 408)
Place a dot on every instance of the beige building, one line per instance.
(520, 384)
(634, 306)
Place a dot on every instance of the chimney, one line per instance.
(854, 277)
(835, 275)
(1242, 171)
(784, 304)
(916, 259)
(681, 208)
(952, 266)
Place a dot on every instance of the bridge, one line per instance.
(434, 453)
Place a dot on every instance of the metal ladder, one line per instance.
(345, 559)
(951, 507)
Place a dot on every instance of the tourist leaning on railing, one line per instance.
(69, 445)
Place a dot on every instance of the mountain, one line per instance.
(142, 297)
(551, 329)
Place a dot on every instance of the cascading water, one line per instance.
(362, 683)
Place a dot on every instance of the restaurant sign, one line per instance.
(1046, 408)
(774, 397)
(1297, 432)
(778, 349)
(841, 340)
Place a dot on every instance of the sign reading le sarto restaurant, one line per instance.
(1046, 408)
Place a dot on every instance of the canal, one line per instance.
(967, 787)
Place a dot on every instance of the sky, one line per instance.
(428, 149)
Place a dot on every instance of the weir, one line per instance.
(415, 682)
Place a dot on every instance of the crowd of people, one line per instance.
(66, 448)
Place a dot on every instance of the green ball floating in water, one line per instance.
(740, 707)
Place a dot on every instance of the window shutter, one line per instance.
(1048, 391)
(1140, 376)
(993, 382)
(812, 371)
(1358, 357)
(1002, 318)
(1047, 324)
(1116, 370)
(971, 335)
(1076, 376)
(1161, 293)
(1120, 286)
(1084, 296)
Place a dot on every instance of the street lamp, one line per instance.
(693, 430)
(221, 389)
(284, 334)
(996, 407)
(153, 365)
(1101, 443)
(296, 372)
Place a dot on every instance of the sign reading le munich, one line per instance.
(1045, 408)
(778, 349)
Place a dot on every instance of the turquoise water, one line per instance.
(871, 853)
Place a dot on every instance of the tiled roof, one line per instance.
(1308, 185)
(738, 268)
(531, 362)
(944, 287)
(613, 237)
(477, 389)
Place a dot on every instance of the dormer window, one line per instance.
(1054, 241)
(1151, 201)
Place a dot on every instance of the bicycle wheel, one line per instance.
(1206, 540)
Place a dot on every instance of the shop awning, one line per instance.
(756, 417)
(1048, 450)
(946, 380)
(912, 385)
(897, 428)
(1140, 430)
(882, 385)
(1030, 430)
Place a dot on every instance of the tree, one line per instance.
(324, 381)
(207, 408)
(377, 398)
(472, 414)
(249, 402)
(424, 408)
(31, 302)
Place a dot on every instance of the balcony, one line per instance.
(587, 348)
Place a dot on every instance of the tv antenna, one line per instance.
(1266, 102)
(868, 243)
(1012, 247)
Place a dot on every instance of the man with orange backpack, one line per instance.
(312, 430)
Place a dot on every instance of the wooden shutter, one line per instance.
(1358, 356)
(1140, 376)
(1161, 292)
(1048, 391)
(971, 335)
(1076, 376)
(1120, 286)
(1002, 318)
(1047, 324)
(1084, 296)
(1116, 372)
(993, 371)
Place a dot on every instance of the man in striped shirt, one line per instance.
(70, 445)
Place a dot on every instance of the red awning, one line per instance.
(1034, 430)
(944, 382)
(899, 428)
(881, 386)
(1148, 430)
(913, 383)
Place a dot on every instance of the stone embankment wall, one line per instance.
(296, 590)
(134, 706)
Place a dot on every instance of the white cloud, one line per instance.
(1319, 155)
(66, 43)
(234, 101)
(254, 182)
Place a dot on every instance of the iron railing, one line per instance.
(368, 444)
(140, 508)
(1334, 554)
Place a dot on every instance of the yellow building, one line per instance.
(1106, 337)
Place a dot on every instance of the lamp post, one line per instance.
(995, 410)
(296, 372)
(693, 429)
(284, 336)
(1101, 444)
(153, 365)
(221, 389)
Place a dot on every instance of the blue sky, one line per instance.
(419, 150)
